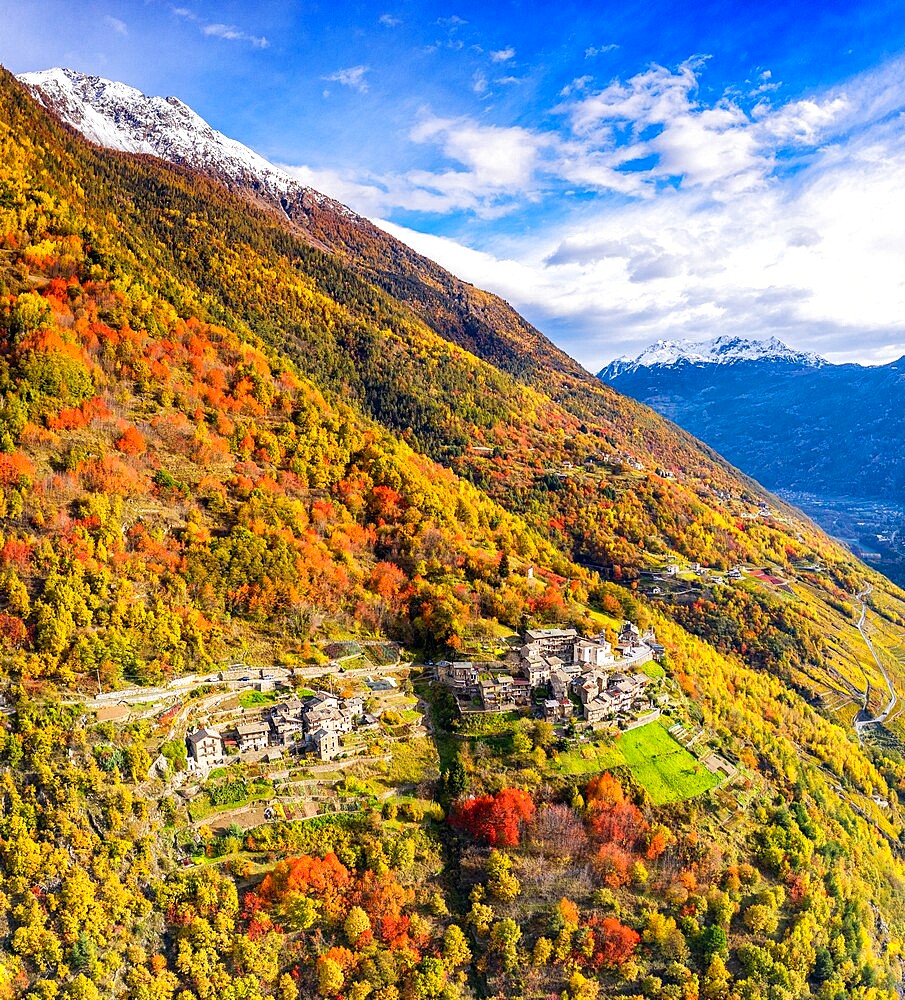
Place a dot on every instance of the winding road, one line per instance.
(860, 724)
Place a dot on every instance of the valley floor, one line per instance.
(874, 530)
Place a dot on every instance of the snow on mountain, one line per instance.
(120, 117)
(716, 351)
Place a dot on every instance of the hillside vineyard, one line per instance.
(357, 643)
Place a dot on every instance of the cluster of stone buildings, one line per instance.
(677, 575)
(579, 673)
(314, 723)
(605, 695)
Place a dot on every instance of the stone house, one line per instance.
(253, 735)
(599, 709)
(326, 743)
(205, 746)
(461, 675)
(556, 709)
(552, 642)
(286, 721)
(326, 713)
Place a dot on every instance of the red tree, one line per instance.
(614, 943)
(12, 631)
(131, 442)
(14, 467)
(614, 864)
(16, 553)
(326, 879)
(495, 819)
(611, 816)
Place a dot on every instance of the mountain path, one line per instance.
(861, 724)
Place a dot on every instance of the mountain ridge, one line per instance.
(131, 121)
(720, 350)
(116, 116)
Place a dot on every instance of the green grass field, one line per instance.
(248, 699)
(589, 759)
(666, 769)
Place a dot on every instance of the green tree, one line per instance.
(330, 976)
(711, 941)
(355, 924)
(823, 965)
(501, 883)
(83, 951)
(429, 978)
(456, 778)
(504, 938)
(455, 947)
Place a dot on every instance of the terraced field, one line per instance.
(664, 767)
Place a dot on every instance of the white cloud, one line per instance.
(593, 51)
(227, 32)
(231, 33)
(578, 84)
(353, 76)
(503, 55)
(628, 139)
(803, 122)
(654, 96)
(496, 159)
(389, 21)
(115, 24)
(489, 165)
(375, 196)
(737, 215)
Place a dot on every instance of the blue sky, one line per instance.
(620, 172)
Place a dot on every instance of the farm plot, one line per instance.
(666, 769)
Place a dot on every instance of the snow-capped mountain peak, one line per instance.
(716, 351)
(120, 117)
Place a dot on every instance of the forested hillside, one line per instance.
(219, 442)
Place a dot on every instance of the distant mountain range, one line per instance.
(791, 420)
(718, 351)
